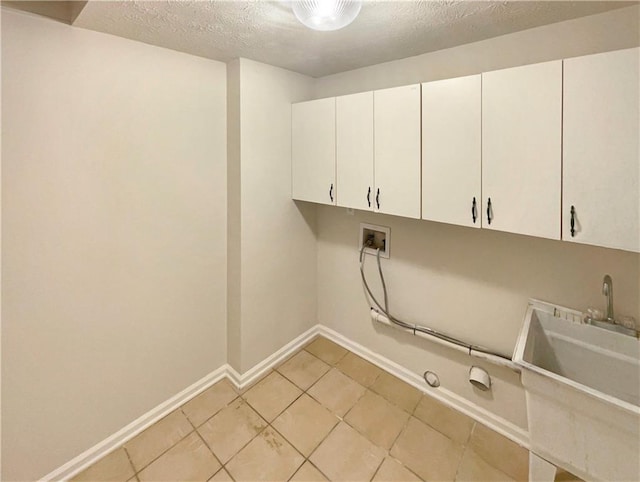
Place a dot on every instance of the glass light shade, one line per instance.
(326, 14)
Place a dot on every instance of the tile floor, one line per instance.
(323, 414)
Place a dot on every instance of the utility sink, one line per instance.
(582, 386)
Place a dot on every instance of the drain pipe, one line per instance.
(496, 360)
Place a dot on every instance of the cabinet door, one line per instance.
(451, 151)
(601, 151)
(313, 151)
(521, 149)
(354, 150)
(397, 151)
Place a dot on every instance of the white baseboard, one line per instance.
(251, 375)
(95, 453)
(108, 445)
(447, 397)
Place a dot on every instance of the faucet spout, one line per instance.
(607, 291)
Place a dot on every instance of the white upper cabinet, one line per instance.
(521, 149)
(601, 151)
(549, 150)
(313, 151)
(397, 151)
(451, 151)
(354, 150)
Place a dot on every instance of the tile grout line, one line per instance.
(404, 427)
(405, 466)
(303, 389)
(240, 394)
(467, 447)
(378, 468)
(289, 442)
(304, 459)
(343, 418)
(493, 466)
(322, 441)
(210, 417)
(213, 454)
(194, 429)
(224, 465)
(242, 391)
(268, 424)
(305, 392)
(135, 474)
(464, 452)
(440, 431)
(284, 409)
(244, 400)
(473, 427)
(164, 451)
(318, 468)
(332, 342)
(319, 443)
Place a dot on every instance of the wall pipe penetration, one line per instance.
(381, 315)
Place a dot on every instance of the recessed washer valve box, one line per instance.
(374, 237)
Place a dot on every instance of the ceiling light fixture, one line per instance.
(326, 14)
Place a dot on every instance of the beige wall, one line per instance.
(123, 231)
(234, 229)
(114, 234)
(276, 293)
(470, 283)
(1, 357)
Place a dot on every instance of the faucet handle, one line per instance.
(595, 314)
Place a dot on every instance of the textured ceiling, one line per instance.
(268, 32)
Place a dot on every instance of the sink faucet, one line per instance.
(607, 290)
(609, 322)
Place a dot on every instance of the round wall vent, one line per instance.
(431, 379)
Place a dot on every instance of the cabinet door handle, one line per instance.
(474, 212)
(331, 192)
(489, 211)
(378, 198)
(573, 221)
(369, 196)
